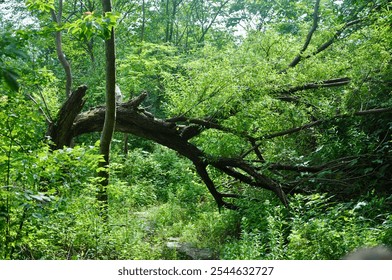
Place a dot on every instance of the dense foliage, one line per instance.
(288, 102)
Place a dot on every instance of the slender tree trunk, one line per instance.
(171, 23)
(143, 20)
(126, 148)
(110, 113)
(60, 54)
(167, 15)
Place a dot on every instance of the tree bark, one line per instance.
(110, 112)
(59, 132)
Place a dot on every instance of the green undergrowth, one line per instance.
(156, 197)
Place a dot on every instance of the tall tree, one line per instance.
(110, 114)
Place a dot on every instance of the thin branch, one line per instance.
(45, 104)
(204, 32)
(316, 85)
(323, 47)
(233, 195)
(257, 179)
(198, 125)
(312, 124)
(298, 58)
(297, 168)
(48, 118)
(202, 171)
(372, 111)
(318, 122)
(256, 149)
(336, 36)
(292, 130)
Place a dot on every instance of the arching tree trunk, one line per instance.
(176, 134)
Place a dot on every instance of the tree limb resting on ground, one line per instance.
(133, 119)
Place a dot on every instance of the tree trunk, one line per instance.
(59, 132)
(59, 49)
(167, 11)
(143, 21)
(110, 112)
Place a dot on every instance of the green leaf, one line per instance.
(43, 6)
(11, 79)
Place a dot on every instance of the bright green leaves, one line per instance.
(109, 21)
(40, 5)
(86, 27)
(205, 87)
(39, 187)
(91, 25)
(145, 67)
(20, 123)
(247, 88)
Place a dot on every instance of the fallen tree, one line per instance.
(177, 133)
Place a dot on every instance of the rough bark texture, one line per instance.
(59, 131)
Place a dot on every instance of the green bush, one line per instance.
(314, 228)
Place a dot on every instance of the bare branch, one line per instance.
(312, 124)
(257, 179)
(47, 117)
(298, 58)
(292, 130)
(318, 122)
(321, 48)
(297, 168)
(201, 170)
(316, 85)
(373, 111)
(204, 31)
(336, 36)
